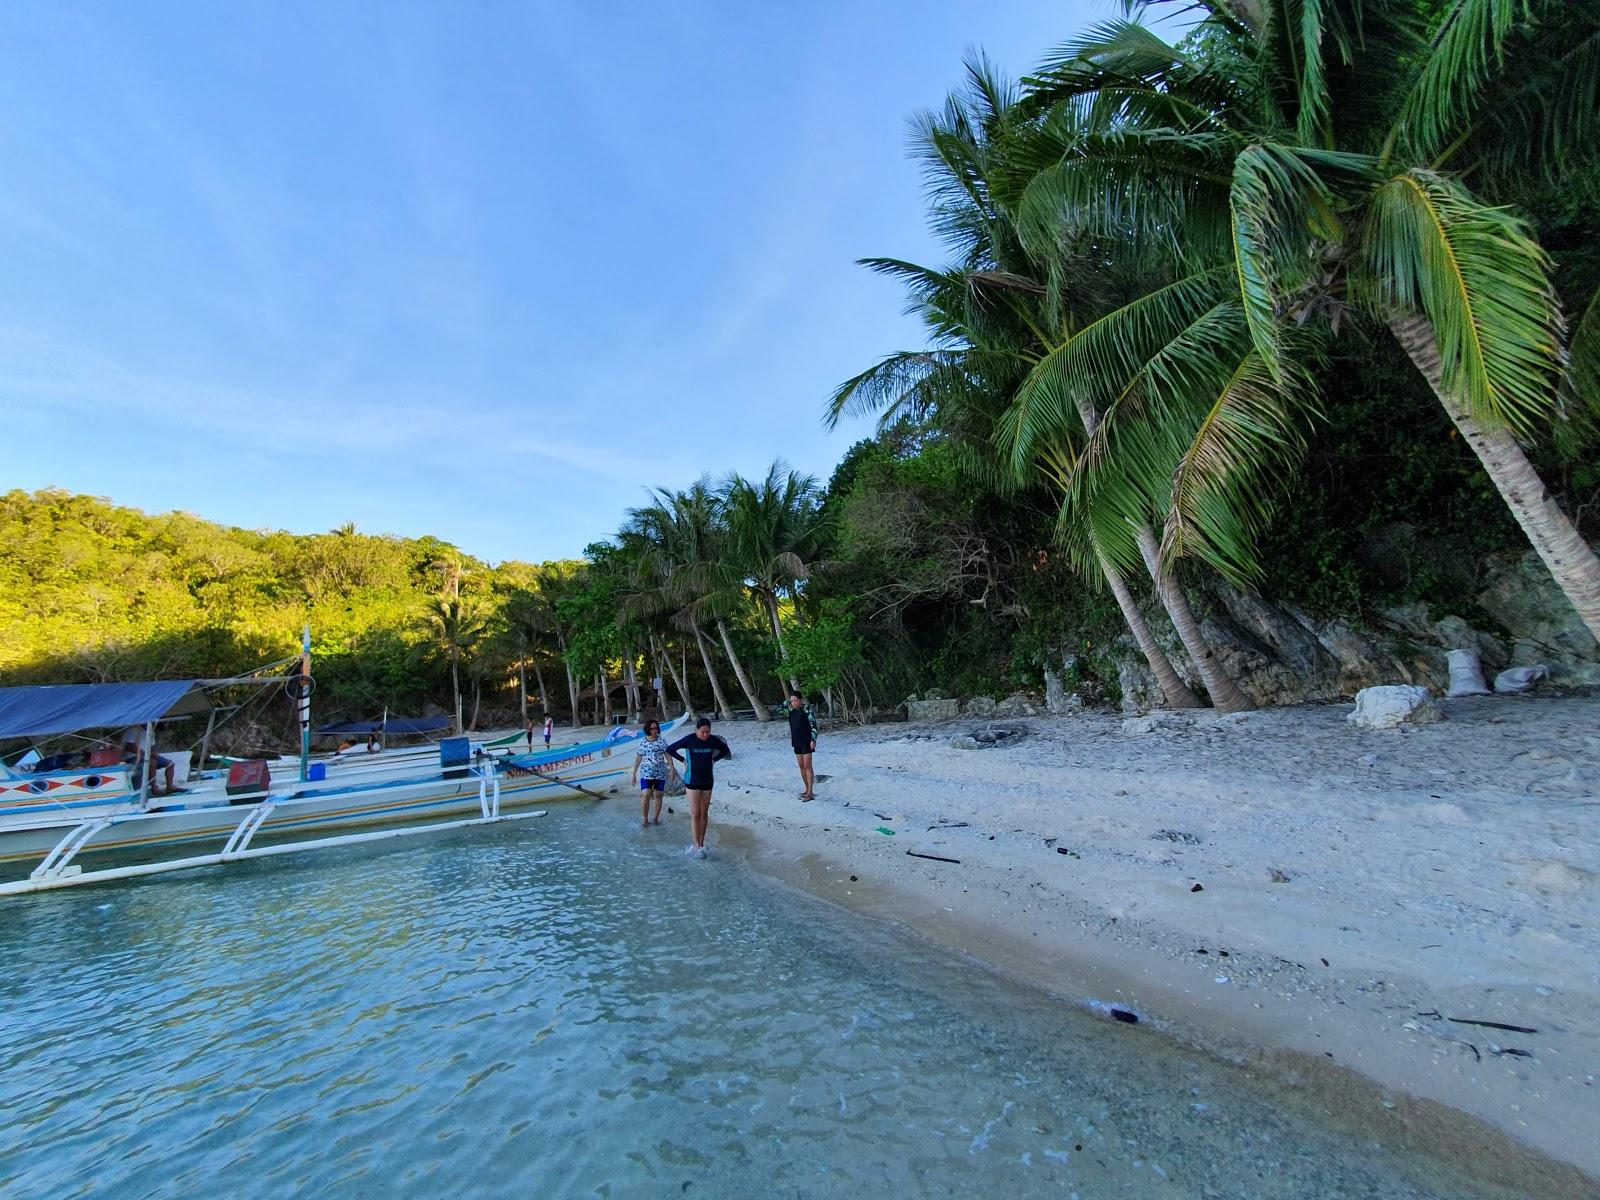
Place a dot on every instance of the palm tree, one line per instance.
(1307, 162)
(988, 321)
(674, 542)
(529, 619)
(774, 528)
(456, 629)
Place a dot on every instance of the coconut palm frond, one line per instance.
(1100, 360)
(1481, 280)
(1459, 60)
(1244, 444)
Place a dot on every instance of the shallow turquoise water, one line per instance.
(569, 1007)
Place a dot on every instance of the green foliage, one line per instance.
(91, 591)
(820, 651)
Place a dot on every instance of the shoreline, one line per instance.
(1230, 968)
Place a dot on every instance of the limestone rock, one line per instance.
(1392, 705)
(1018, 704)
(1138, 685)
(927, 711)
(1055, 694)
(1544, 627)
(1153, 723)
(979, 706)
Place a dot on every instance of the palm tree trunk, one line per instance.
(455, 687)
(522, 689)
(658, 677)
(572, 690)
(1173, 688)
(663, 654)
(477, 698)
(1559, 544)
(544, 696)
(605, 698)
(1225, 694)
(777, 633)
(704, 643)
(631, 687)
(738, 669)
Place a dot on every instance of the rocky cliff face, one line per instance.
(1282, 655)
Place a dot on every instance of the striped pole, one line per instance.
(305, 701)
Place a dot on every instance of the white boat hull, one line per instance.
(310, 809)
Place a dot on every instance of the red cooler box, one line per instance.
(248, 779)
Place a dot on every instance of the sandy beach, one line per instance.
(1276, 887)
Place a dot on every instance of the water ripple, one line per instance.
(557, 1011)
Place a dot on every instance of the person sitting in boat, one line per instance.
(373, 744)
(133, 755)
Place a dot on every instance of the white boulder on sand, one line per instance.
(1393, 705)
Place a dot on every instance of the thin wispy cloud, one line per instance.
(479, 272)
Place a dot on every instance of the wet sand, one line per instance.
(1281, 889)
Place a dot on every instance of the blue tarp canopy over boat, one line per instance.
(70, 707)
(394, 725)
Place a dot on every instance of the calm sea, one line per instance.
(569, 1007)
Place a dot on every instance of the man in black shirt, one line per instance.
(803, 741)
(703, 749)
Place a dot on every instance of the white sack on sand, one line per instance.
(1466, 674)
(1394, 704)
(1520, 679)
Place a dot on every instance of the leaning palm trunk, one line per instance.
(630, 684)
(1172, 687)
(522, 689)
(678, 681)
(1225, 694)
(1557, 540)
(544, 696)
(572, 690)
(704, 643)
(777, 634)
(738, 669)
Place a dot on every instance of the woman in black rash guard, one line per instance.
(700, 750)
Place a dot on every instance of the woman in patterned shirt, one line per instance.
(651, 768)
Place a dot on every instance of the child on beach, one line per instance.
(650, 773)
(704, 749)
(549, 728)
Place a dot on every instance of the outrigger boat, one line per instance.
(52, 817)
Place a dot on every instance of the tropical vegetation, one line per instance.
(1305, 303)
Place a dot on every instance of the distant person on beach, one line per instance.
(650, 773)
(530, 733)
(549, 728)
(803, 741)
(704, 749)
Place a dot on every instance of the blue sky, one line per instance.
(471, 269)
